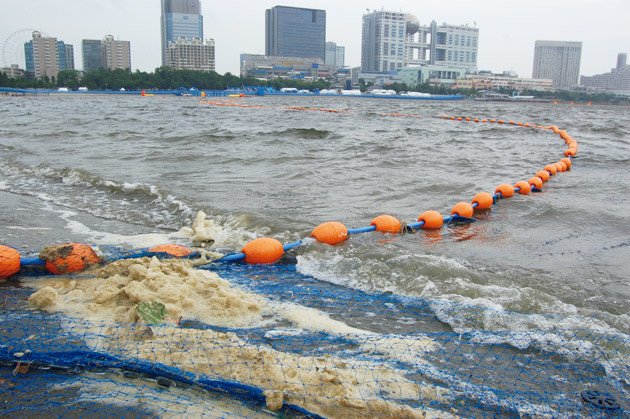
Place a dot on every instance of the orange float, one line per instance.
(567, 162)
(475, 120)
(68, 258)
(551, 169)
(524, 187)
(492, 121)
(543, 175)
(9, 262)
(506, 190)
(331, 232)
(467, 119)
(263, 251)
(536, 181)
(483, 200)
(570, 152)
(432, 220)
(500, 121)
(176, 250)
(463, 209)
(387, 224)
(561, 167)
(459, 118)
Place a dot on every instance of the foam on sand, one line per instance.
(327, 385)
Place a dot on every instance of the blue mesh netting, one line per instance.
(58, 365)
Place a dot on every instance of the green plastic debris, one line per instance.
(151, 312)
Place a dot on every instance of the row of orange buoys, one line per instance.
(75, 257)
(69, 258)
(266, 250)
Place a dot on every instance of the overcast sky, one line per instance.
(508, 28)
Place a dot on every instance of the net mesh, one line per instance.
(395, 358)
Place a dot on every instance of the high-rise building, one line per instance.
(622, 60)
(616, 81)
(45, 56)
(92, 54)
(187, 54)
(383, 41)
(394, 40)
(116, 54)
(335, 54)
(295, 32)
(558, 61)
(180, 19)
(65, 56)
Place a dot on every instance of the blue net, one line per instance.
(317, 349)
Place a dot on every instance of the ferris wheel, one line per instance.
(13, 47)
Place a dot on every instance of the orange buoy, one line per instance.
(500, 121)
(527, 124)
(483, 200)
(492, 121)
(476, 120)
(543, 175)
(432, 220)
(551, 169)
(463, 209)
(263, 251)
(520, 124)
(506, 190)
(467, 119)
(387, 224)
(570, 152)
(567, 162)
(330, 232)
(459, 118)
(561, 167)
(176, 250)
(9, 262)
(536, 181)
(484, 121)
(524, 187)
(452, 118)
(68, 257)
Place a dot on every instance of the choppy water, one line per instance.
(136, 165)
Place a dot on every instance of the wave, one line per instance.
(136, 203)
(309, 133)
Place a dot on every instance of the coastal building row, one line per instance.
(615, 81)
(46, 56)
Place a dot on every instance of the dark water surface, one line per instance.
(130, 165)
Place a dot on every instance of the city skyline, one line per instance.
(507, 41)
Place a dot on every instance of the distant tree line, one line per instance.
(161, 78)
(164, 78)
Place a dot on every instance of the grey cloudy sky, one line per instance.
(508, 28)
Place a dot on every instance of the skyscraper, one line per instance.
(394, 40)
(335, 54)
(92, 54)
(558, 61)
(65, 56)
(45, 56)
(116, 54)
(383, 41)
(295, 32)
(180, 19)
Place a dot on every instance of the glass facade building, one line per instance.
(295, 32)
(92, 54)
(180, 19)
(65, 56)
